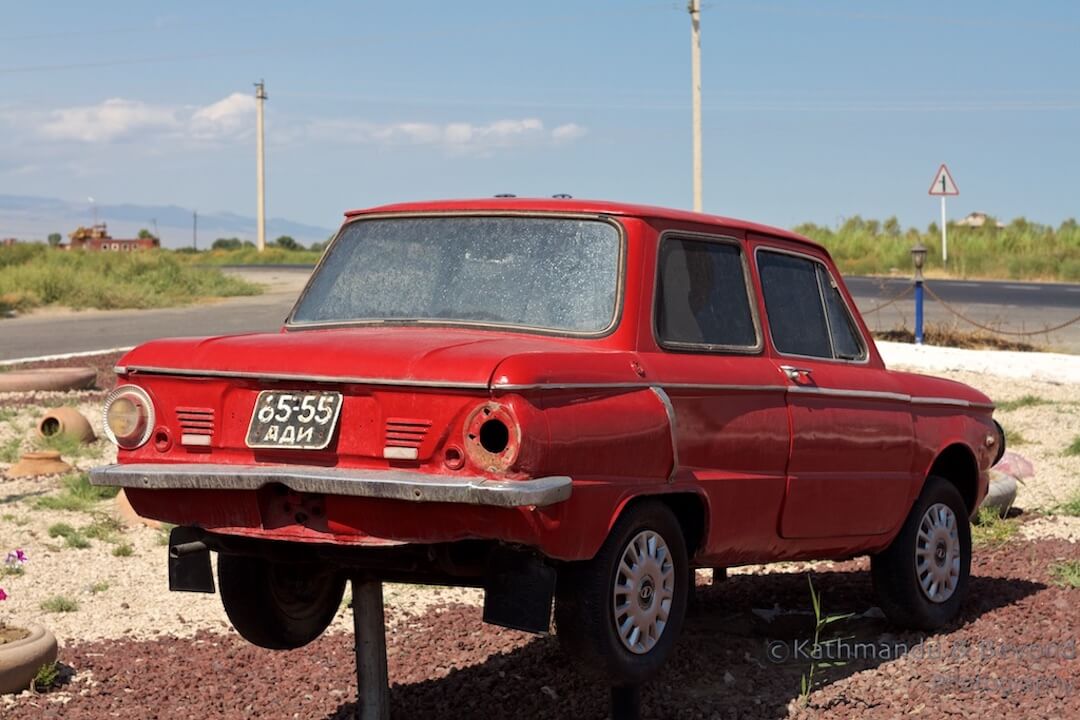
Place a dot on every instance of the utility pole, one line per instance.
(260, 169)
(695, 81)
(195, 229)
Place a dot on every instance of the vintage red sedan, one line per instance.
(560, 401)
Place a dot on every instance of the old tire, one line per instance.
(619, 620)
(921, 579)
(280, 606)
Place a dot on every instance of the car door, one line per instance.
(731, 425)
(852, 437)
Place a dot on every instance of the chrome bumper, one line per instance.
(388, 484)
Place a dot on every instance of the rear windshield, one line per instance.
(559, 274)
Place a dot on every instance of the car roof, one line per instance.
(578, 206)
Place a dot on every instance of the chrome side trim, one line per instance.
(300, 377)
(670, 410)
(951, 402)
(858, 394)
(385, 484)
(636, 386)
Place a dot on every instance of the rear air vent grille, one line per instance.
(196, 425)
(406, 432)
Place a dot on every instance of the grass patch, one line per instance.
(12, 570)
(59, 604)
(123, 550)
(1022, 402)
(34, 275)
(105, 528)
(1014, 438)
(950, 336)
(992, 530)
(46, 678)
(72, 538)
(7, 414)
(251, 256)
(9, 450)
(1066, 574)
(1074, 447)
(163, 533)
(68, 446)
(1071, 506)
(77, 494)
(99, 587)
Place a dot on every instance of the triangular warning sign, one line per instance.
(943, 183)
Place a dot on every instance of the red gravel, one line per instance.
(447, 664)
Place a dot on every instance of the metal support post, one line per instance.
(369, 626)
(918, 311)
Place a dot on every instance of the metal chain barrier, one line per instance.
(994, 330)
(882, 306)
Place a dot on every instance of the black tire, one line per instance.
(585, 615)
(280, 606)
(897, 573)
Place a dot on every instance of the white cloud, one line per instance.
(454, 138)
(233, 117)
(111, 120)
(233, 114)
(568, 133)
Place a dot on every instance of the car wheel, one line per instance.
(921, 579)
(281, 606)
(619, 614)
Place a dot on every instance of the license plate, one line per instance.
(294, 420)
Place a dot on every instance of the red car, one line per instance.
(559, 401)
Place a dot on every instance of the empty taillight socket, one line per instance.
(162, 439)
(492, 437)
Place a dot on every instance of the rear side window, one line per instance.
(806, 312)
(846, 342)
(702, 297)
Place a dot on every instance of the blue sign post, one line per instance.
(918, 257)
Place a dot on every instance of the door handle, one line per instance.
(794, 373)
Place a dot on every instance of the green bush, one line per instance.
(1020, 250)
(34, 275)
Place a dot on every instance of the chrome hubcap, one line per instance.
(937, 553)
(644, 588)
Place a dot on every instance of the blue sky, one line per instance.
(812, 111)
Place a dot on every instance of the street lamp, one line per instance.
(918, 257)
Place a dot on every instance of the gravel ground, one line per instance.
(1012, 653)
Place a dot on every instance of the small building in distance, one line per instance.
(978, 219)
(96, 237)
(7, 242)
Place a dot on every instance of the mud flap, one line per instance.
(189, 562)
(518, 592)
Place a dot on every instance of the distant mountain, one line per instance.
(33, 218)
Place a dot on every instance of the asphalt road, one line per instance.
(1004, 305)
(981, 292)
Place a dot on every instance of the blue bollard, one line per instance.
(918, 312)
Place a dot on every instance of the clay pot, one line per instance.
(44, 462)
(78, 378)
(21, 659)
(66, 421)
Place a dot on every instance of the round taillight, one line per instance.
(128, 416)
